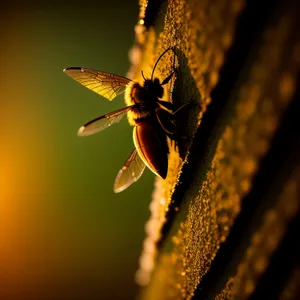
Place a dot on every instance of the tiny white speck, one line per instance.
(132, 174)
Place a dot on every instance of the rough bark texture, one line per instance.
(224, 223)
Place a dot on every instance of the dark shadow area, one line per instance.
(154, 9)
(187, 119)
(283, 262)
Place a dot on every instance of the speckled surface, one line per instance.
(201, 32)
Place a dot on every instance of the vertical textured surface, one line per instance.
(237, 64)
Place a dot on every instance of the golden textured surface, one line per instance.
(202, 31)
(264, 241)
(200, 38)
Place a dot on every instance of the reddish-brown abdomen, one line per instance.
(151, 144)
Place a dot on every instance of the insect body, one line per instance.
(151, 117)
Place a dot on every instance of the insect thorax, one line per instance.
(145, 98)
(146, 94)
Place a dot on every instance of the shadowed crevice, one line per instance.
(274, 171)
(283, 262)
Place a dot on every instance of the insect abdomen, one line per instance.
(151, 145)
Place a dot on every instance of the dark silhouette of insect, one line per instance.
(152, 118)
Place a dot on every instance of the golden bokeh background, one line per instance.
(64, 234)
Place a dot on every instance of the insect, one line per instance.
(152, 118)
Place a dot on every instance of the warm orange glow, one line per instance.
(23, 158)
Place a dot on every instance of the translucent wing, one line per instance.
(131, 171)
(105, 84)
(103, 122)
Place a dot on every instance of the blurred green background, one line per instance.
(64, 234)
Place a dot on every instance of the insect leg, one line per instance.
(167, 79)
(167, 105)
(165, 120)
(178, 110)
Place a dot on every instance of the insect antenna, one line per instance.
(168, 49)
(143, 74)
